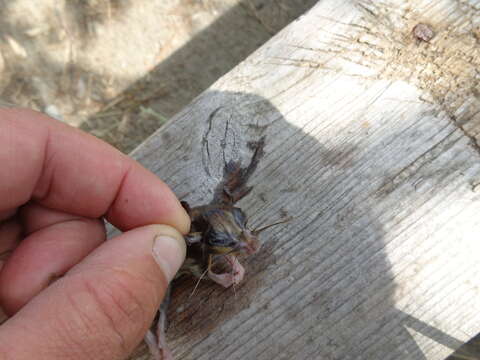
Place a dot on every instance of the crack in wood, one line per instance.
(206, 157)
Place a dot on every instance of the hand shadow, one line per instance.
(322, 285)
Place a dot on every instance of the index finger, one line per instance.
(66, 169)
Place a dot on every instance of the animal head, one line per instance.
(228, 232)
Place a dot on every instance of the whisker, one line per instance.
(234, 289)
(259, 230)
(231, 262)
(198, 283)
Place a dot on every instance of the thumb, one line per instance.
(103, 306)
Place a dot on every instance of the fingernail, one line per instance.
(169, 253)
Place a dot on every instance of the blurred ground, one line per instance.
(120, 68)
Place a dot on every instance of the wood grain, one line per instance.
(371, 147)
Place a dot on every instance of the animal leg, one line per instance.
(234, 185)
(162, 342)
(156, 341)
(152, 344)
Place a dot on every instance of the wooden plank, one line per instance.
(368, 148)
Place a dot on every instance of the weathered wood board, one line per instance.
(371, 146)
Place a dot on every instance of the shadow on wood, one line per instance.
(379, 261)
(322, 285)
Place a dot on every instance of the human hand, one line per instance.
(56, 184)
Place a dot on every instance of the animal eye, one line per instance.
(220, 239)
(239, 217)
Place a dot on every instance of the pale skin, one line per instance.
(69, 293)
